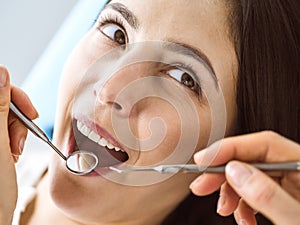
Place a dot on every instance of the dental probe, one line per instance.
(34, 128)
(193, 168)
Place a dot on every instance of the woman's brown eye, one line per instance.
(120, 37)
(183, 77)
(115, 33)
(187, 80)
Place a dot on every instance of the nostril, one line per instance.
(117, 106)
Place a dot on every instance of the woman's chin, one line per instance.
(63, 189)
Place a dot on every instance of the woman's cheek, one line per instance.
(90, 49)
(170, 123)
(87, 52)
(158, 128)
(205, 129)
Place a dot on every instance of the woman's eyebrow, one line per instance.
(188, 50)
(125, 13)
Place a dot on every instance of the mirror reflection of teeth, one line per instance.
(85, 162)
(95, 137)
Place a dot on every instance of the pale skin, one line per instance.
(79, 200)
(246, 190)
(71, 197)
(12, 139)
(95, 44)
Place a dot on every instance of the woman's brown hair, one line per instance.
(267, 38)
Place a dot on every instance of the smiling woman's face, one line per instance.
(183, 60)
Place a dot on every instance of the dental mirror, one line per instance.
(79, 162)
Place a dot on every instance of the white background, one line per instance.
(26, 27)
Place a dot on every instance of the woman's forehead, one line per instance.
(184, 19)
(181, 11)
(201, 24)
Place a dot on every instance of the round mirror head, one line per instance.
(82, 162)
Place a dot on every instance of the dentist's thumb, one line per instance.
(4, 106)
(4, 89)
(262, 193)
(8, 187)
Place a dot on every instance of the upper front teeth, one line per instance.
(95, 137)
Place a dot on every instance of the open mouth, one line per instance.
(90, 137)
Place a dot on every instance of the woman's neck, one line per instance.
(43, 211)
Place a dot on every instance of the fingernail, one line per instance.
(21, 145)
(239, 219)
(238, 173)
(242, 222)
(195, 183)
(206, 155)
(197, 154)
(16, 158)
(221, 203)
(198, 157)
(3, 78)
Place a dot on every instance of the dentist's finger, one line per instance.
(228, 200)
(206, 184)
(262, 193)
(17, 135)
(8, 185)
(291, 183)
(5, 154)
(17, 130)
(21, 99)
(244, 214)
(266, 146)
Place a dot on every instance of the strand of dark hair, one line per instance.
(268, 80)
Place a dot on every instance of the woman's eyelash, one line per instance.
(109, 19)
(188, 68)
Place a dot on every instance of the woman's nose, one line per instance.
(122, 90)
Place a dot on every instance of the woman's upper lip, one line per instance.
(99, 130)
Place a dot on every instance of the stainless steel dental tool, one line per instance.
(79, 162)
(193, 168)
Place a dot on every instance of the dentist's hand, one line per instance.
(12, 138)
(245, 189)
